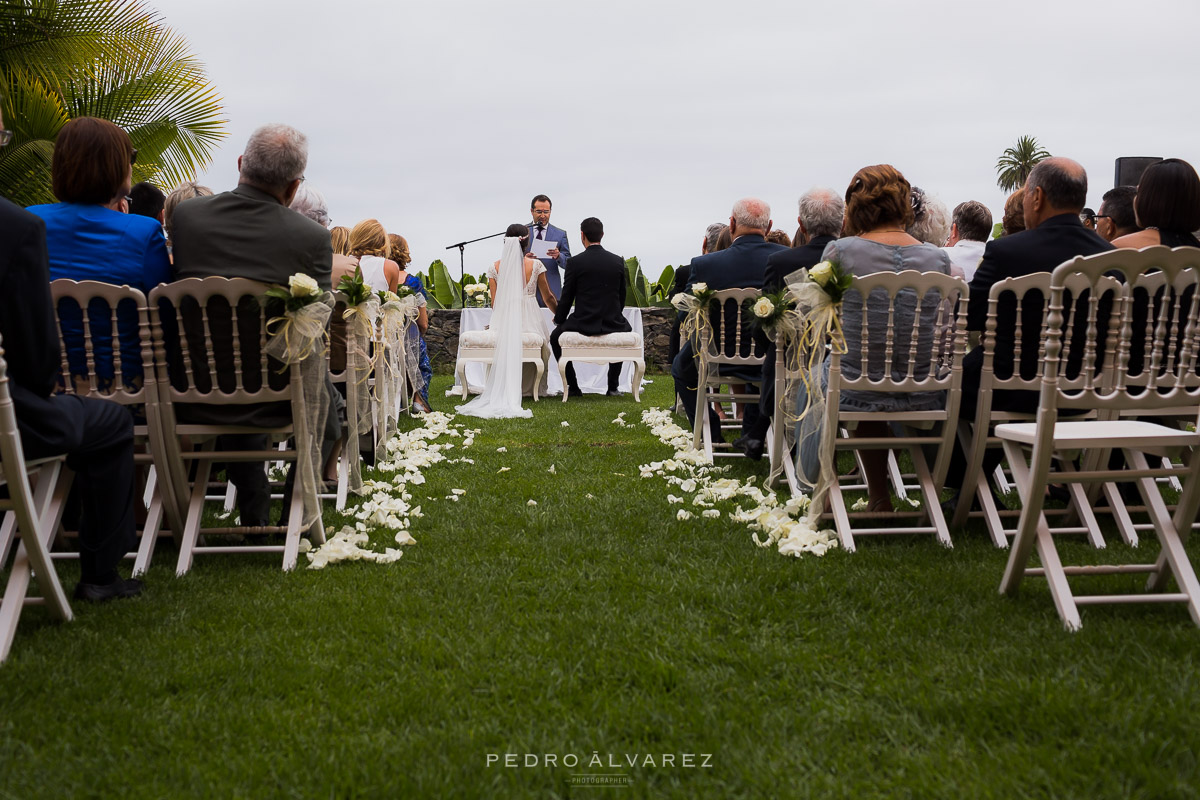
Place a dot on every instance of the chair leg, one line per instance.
(291, 548)
(840, 517)
(639, 371)
(343, 482)
(191, 532)
(150, 532)
(1083, 507)
(933, 503)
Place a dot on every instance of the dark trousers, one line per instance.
(614, 370)
(687, 377)
(754, 426)
(97, 438)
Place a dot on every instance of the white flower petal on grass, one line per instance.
(404, 537)
(683, 515)
(673, 499)
(590, 496)
(532, 503)
(859, 505)
(688, 485)
(711, 513)
(459, 491)
(551, 470)
(501, 449)
(503, 469)
(566, 424)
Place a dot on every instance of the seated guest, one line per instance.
(147, 200)
(879, 209)
(821, 213)
(369, 244)
(88, 239)
(742, 266)
(250, 232)
(398, 247)
(311, 203)
(1116, 218)
(1014, 213)
(595, 285)
(779, 237)
(707, 245)
(1088, 218)
(970, 227)
(1053, 197)
(1167, 206)
(343, 263)
(95, 435)
(931, 219)
(184, 191)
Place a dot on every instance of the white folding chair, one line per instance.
(99, 305)
(733, 345)
(896, 359)
(1025, 293)
(36, 513)
(1102, 385)
(231, 369)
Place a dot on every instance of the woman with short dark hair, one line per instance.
(89, 238)
(1167, 206)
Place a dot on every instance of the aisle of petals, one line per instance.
(694, 475)
(388, 504)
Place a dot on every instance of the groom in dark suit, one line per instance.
(595, 284)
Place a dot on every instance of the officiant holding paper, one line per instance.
(548, 243)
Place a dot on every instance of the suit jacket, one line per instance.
(1056, 240)
(30, 334)
(554, 269)
(595, 283)
(247, 233)
(742, 265)
(782, 264)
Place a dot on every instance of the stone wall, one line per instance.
(442, 338)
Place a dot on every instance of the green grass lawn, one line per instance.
(599, 626)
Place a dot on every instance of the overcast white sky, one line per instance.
(442, 119)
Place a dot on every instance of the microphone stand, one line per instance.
(462, 264)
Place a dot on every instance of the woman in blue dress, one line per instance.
(401, 255)
(91, 237)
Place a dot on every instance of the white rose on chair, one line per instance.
(302, 285)
(697, 288)
(821, 273)
(764, 308)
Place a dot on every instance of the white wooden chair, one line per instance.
(977, 436)
(36, 511)
(1172, 366)
(480, 346)
(231, 369)
(608, 348)
(92, 297)
(734, 344)
(926, 357)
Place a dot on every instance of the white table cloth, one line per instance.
(593, 378)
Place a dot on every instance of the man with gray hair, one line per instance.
(970, 227)
(251, 233)
(821, 213)
(742, 265)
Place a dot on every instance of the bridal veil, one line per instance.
(501, 396)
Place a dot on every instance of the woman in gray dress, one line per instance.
(878, 209)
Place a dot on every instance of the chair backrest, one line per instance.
(910, 333)
(12, 457)
(209, 337)
(1166, 333)
(735, 339)
(95, 354)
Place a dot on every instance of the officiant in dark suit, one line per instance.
(594, 283)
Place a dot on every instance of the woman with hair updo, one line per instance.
(398, 247)
(369, 244)
(1167, 206)
(89, 237)
(1014, 213)
(879, 208)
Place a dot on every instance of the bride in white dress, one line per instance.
(513, 280)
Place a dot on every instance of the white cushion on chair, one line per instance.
(573, 339)
(487, 338)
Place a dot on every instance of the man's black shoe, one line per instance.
(101, 593)
(753, 448)
(613, 393)
(574, 391)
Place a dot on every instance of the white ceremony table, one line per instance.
(593, 378)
